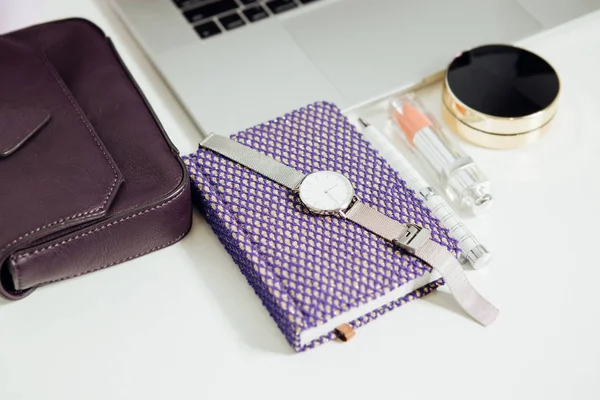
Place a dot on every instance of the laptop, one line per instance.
(236, 63)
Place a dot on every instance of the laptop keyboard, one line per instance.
(212, 17)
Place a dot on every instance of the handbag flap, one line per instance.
(54, 170)
(19, 124)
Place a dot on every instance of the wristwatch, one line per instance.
(331, 193)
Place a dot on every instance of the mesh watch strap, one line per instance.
(374, 221)
(416, 240)
(254, 160)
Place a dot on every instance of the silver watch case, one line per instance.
(340, 211)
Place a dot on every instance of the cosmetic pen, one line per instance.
(473, 251)
(457, 174)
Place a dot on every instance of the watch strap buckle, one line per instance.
(412, 238)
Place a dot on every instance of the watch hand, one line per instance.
(329, 194)
(334, 186)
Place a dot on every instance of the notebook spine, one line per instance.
(225, 225)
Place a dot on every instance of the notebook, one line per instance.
(314, 273)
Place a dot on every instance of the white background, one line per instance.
(183, 323)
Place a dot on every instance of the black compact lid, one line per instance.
(503, 81)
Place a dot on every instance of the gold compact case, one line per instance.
(499, 96)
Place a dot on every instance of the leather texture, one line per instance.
(88, 177)
(19, 124)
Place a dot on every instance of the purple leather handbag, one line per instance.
(88, 177)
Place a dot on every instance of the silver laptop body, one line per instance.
(235, 63)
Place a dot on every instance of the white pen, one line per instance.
(473, 251)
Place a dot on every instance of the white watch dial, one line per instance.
(326, 191)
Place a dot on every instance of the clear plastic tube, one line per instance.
(473, 252)
(456, 173)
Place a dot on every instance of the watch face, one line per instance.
(326, 191)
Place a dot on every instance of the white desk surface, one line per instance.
(183, 323)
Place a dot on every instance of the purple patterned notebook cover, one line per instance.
(308, 268)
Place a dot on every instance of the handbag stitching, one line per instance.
(19, 256)
(87, 125)
(42, 250)
(116, 262)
